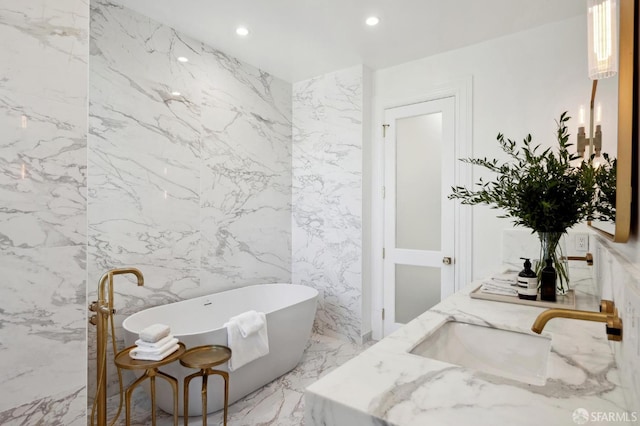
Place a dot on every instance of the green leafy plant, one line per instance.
(544, 190)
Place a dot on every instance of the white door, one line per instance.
(418, 216)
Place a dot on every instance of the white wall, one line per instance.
(521, 84)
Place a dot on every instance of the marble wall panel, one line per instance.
(327, 196)
(193, 188)
(43, 94)
(246, 175)
(619, 281)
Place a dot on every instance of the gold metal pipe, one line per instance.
(104, 309)
(612, 320)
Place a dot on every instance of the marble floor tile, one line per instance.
(280, 403)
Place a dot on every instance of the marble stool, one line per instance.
(204, 358)
(123, 360)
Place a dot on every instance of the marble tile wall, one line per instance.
(619, 280)
(327, 197)
(193, 188)
(43, 117)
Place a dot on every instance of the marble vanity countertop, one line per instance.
(387, 385)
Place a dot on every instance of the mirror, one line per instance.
(627, 69)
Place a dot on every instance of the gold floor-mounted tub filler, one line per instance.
(103, 319)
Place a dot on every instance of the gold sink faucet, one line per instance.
(608, 315)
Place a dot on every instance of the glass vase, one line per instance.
(551, 247)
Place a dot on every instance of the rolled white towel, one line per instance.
(154, 357)
(154, 333)
(154, 351)
(142, 344)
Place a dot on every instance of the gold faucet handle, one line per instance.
(607, 306)
(614, 327)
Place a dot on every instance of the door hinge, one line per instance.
(382, 314)
(383, 252)
(384, 130)
(384, 192)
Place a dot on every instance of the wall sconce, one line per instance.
(603, 62)
(584, 142)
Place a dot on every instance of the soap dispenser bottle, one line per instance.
(548, 283)
(527, 282)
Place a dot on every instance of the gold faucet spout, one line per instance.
(611, 319)
(549, 314)
(108, 277)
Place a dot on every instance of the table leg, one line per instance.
(174, 386)
(153, 400)
(127, 396)
(205, 377)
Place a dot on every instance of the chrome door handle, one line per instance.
(447, 260)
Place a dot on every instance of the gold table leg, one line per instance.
(204, 398)
(151, 375)
(174, 386)
(187, 380)
(127, 396)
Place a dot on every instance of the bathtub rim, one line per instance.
(313, 296)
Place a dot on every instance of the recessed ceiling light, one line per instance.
(242, 31)
(175, 93)
(182, 59)
(372, 21)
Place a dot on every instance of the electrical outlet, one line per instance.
(582, 243)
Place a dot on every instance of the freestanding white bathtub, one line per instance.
(290, 310)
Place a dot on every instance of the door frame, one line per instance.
(461, 91)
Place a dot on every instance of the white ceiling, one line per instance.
(299, 39)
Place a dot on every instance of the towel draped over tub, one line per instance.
(247, 338)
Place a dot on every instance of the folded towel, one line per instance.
(154, 351)
(498, 284)
(160, 343)
(249, 322)
(245, 349)
(154, 357)
(488, 288)
(506, 278)
(154, 333)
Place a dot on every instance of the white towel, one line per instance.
(246, 349)
(498, 289)
(154, 357)
(160, 343)
(506, 278)
(249, 322)
(154, 351)
(154, 332)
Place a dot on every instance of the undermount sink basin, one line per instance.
(503, 353)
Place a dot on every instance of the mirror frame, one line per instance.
(627, 70)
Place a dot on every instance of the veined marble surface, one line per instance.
(619, 281)
(189, 166)
(327, 197)
(43, 95)
(388, 385)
